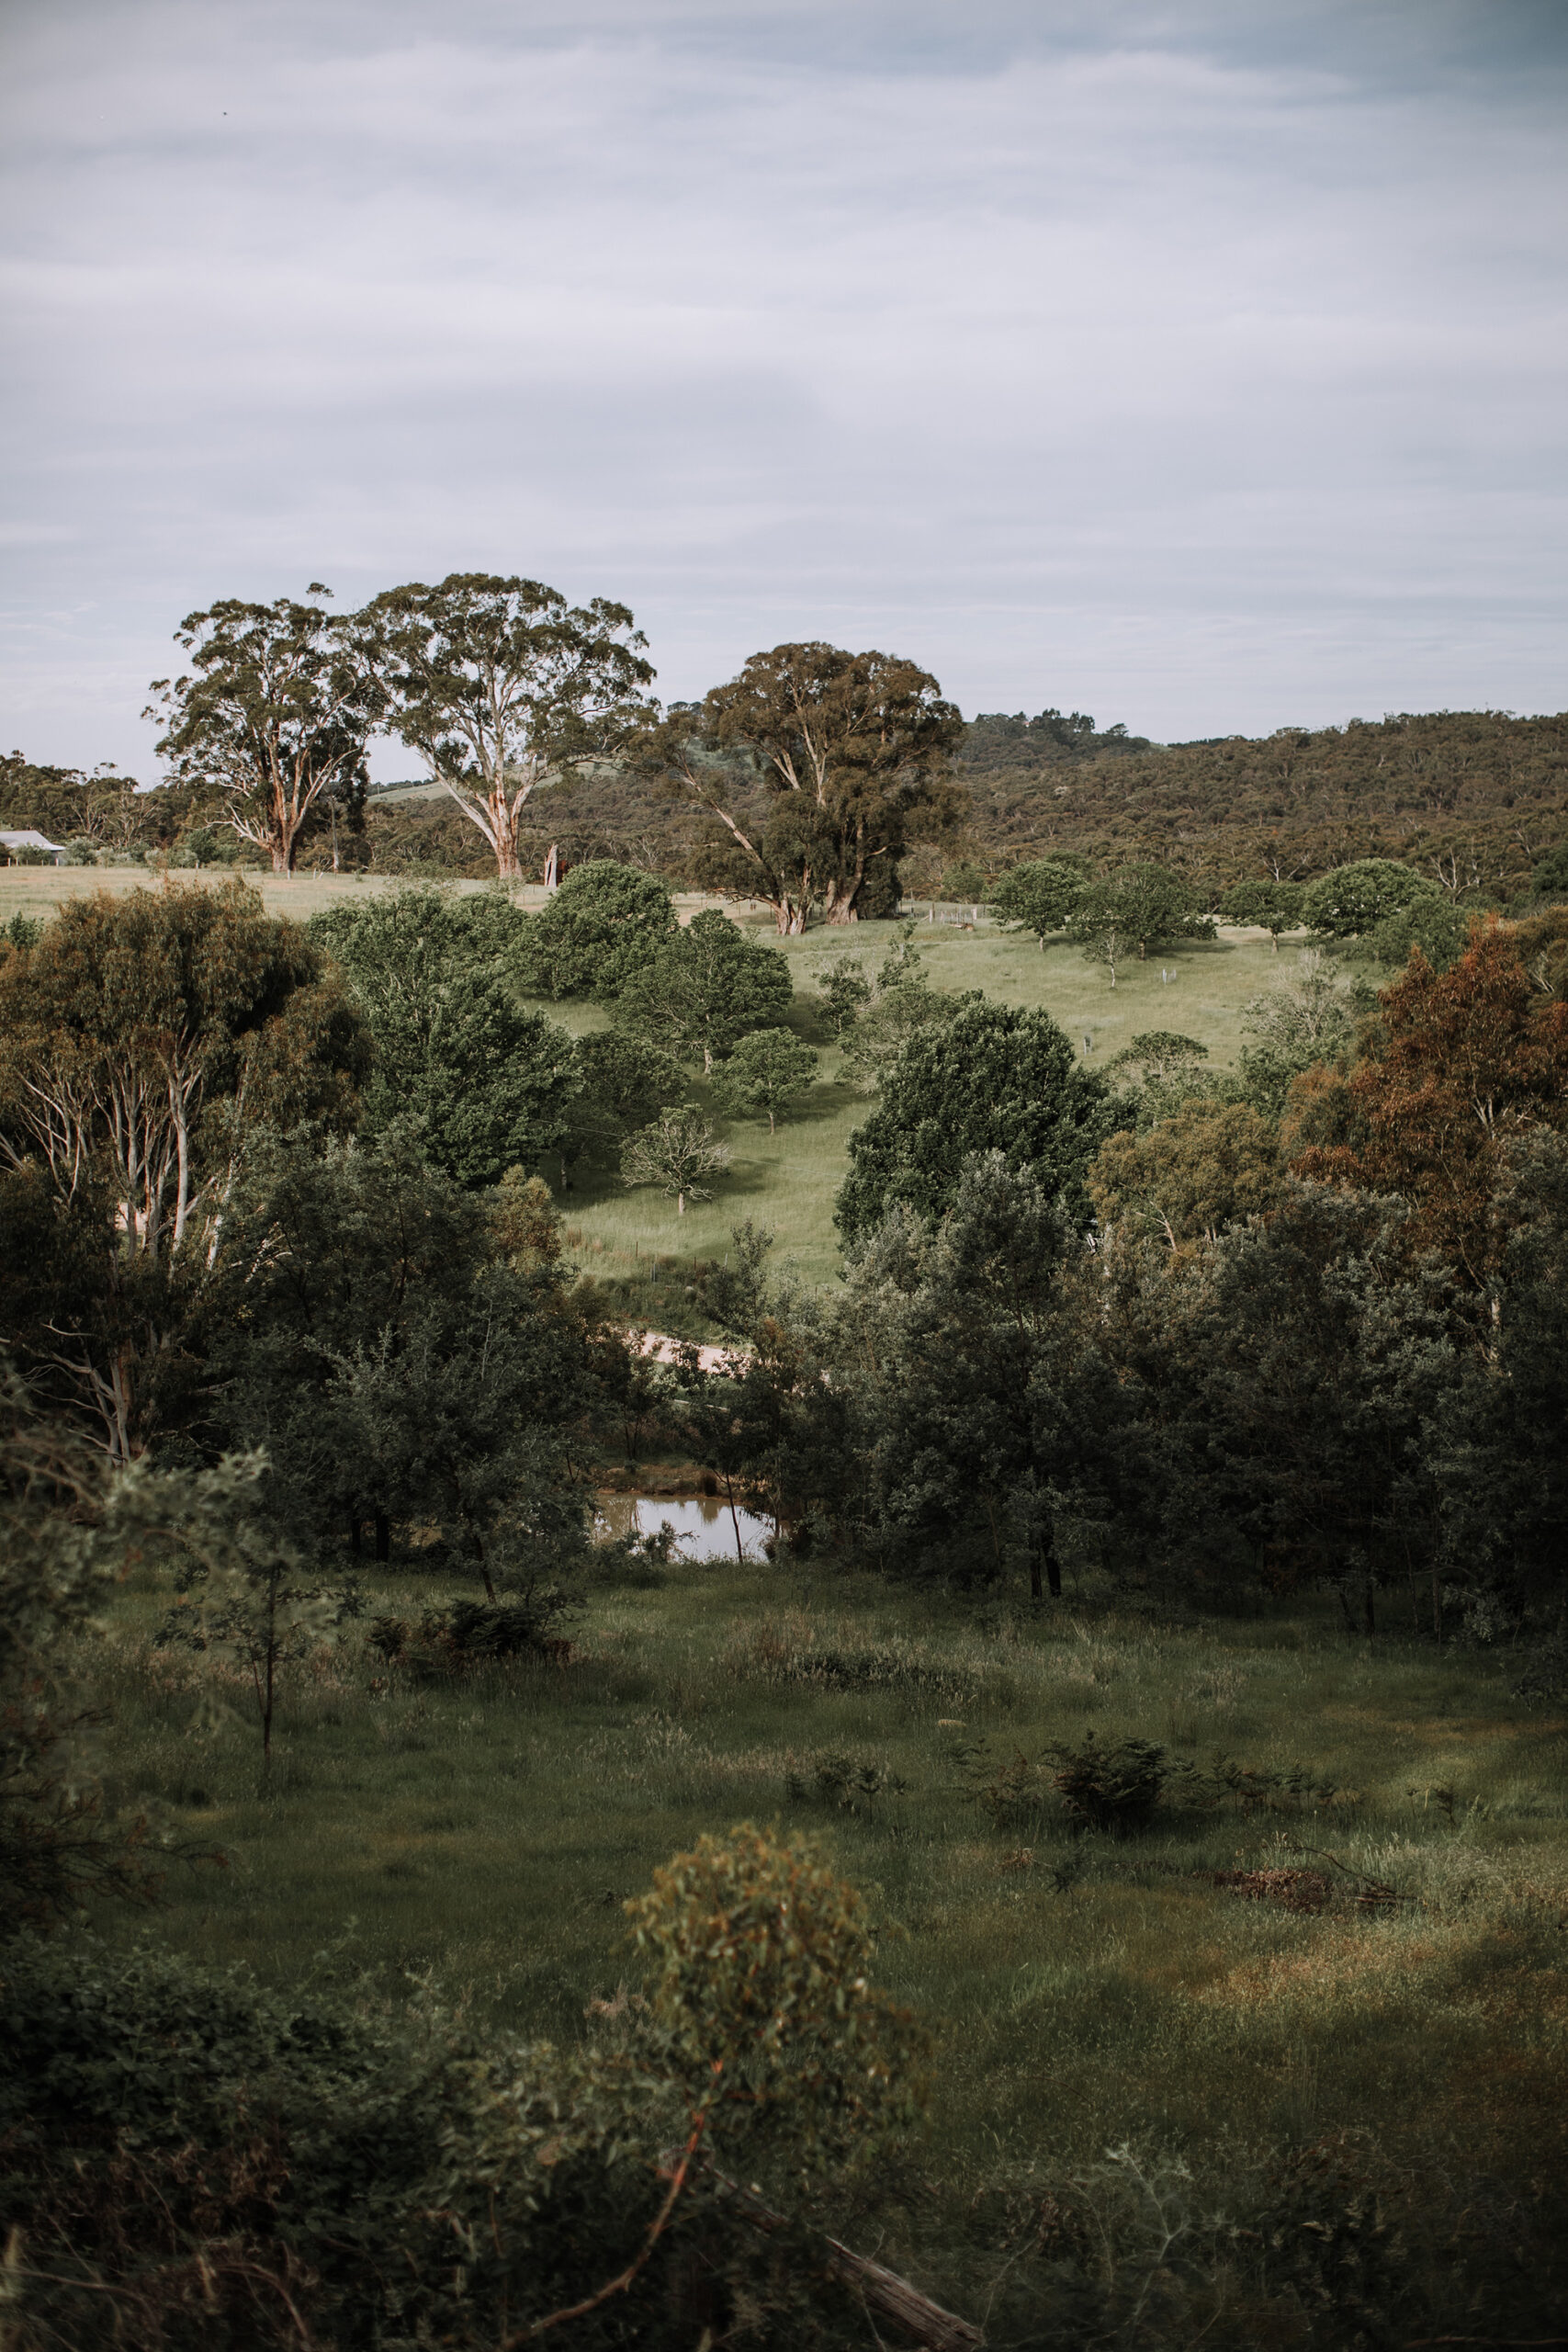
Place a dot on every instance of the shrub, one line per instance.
(458, 1635)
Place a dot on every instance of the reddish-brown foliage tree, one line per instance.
(1467, 1060)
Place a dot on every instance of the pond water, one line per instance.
(701, 1523)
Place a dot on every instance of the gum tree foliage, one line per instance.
(1271, 906)
(1356, 898)
(759, 1958)
(1465, 1061)
(1205, 1167)
(769, 1073)
(819, 766)
(992, 1079)
(501, 686)
(433, 976)
(704, 988)
(679, 1152)
(1039, 896)
(272, 717)
(901, 1002)
(373, 1339)
(1318, 1363)
(596, 931)
(953, 1341)
(142, 1041)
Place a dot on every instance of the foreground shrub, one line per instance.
(189, 2159)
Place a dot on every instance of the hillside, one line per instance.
(1475, 796)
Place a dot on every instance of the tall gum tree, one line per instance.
(852, 755)
(501, 686)
(273, 716)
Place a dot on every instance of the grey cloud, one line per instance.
(1189, 370)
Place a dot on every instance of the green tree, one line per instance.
(992, 1079)
(273, 716)
(678, 1151)
(706, 987)
(143, 1041)
(1439, 928)
(758, 1957)
(845, 991)
(500, 686)
(853, 755)
(1039, 896)
(596, 931)
(950, 1348)
(392, 1372)
(1309, 1017)
(769, 1071)
(433, 976)
(1273, 906)
(1136, 905)
(625, 1082)
(1208, 1166)
(1356, 898)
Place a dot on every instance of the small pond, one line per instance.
(701, 1522)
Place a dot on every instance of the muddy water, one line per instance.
(701, 1523)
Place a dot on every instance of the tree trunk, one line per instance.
(771, 1129)
(680, 1203)
(383, 1537)
(354, 1534)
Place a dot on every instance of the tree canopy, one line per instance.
(499, 684)
(853, 755)
(490, 1083)
(593, 935)
(273, 716)
(704, 987)
(992, 1079)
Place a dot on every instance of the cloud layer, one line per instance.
(1120, 359)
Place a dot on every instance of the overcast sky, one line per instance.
(1198, 365)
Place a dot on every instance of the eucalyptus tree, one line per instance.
(819, 765)
(144, 1040)
(500, 686)
(273, 716)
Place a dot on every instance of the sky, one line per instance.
(1199, 366)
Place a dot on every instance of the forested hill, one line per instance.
(1474, 797)
(1478, 793)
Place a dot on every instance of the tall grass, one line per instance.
(1089, 1990)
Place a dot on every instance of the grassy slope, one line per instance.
(492, 1832)
(788, 1181)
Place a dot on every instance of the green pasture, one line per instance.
(788, 1181)
(1086, 1990)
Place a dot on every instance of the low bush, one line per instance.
(456, 1636)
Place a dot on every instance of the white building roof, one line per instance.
(31, 841)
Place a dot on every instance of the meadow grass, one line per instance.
(1087, 1990)
(789, 1181)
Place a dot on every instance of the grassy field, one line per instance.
(1087, 1991)
(788, 1181)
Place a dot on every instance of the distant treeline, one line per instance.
(1475, 800)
